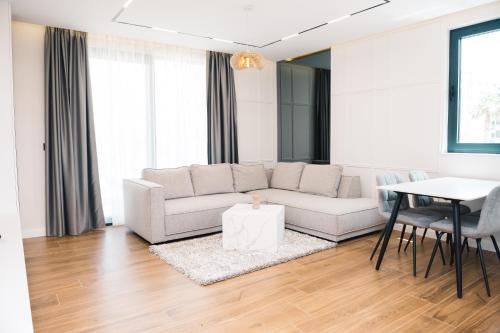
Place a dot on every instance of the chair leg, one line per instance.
(411, 236)
(496, 246)
(448, 238)
(402, 236)
(378, 243)
(434, 249)
(464, 244)
(483, 267)
(423, 236)
(414, 252)
(440, 246)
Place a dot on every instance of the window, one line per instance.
(474, 89)
(149, 105)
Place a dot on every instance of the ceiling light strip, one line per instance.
(115, 18)
(290, 36)
(127, 3)
(341, 18)
(369, 8)
(316, 27)
(165, 30)
(135, 25)
(338, 19)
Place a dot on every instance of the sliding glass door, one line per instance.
(150, 111)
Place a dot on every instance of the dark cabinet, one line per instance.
(295, 112)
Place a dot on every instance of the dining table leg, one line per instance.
(389, 228)
(457, 244)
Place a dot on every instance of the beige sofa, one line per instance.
(168, 204)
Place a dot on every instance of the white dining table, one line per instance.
(453, 189)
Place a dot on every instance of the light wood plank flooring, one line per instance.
(107, 281)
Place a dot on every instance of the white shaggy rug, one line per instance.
(204, 261)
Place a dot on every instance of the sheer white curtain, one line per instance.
(149, 108)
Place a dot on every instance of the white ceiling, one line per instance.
(268, 21)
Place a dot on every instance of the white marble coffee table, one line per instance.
(245, 228)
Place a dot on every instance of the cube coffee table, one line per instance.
(247, 229)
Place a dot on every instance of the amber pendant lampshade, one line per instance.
(244, 60)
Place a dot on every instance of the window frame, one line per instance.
(456, 35)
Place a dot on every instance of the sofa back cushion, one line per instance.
(350, 187)
(176, 182)
(286, 176)
(249, 177)
(269, 175)
(212, 179)
(321, 179)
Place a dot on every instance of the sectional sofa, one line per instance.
(168, 204)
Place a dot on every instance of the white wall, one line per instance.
(390, 103)
(27, 50)
(256, 95)
(15, 313)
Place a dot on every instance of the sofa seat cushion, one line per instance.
(176, 182)
(332, 216)
(205, 202)
(212, 179)
(334, 206)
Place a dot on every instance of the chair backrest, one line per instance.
(387, 199)
(420, 200)
(489, 221)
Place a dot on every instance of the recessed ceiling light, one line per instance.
(127, 3)
(165, 30)
(290, 36)
(338, 19)
(223, 40)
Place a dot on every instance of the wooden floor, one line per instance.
(107, 281)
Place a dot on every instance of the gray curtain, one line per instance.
(322, 115)
(221, 108)
(73, 198)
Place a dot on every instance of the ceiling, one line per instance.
(211, 24)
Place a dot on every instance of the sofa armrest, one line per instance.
(144, 208)
(350, 187)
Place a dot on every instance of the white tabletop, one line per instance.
(464, 189)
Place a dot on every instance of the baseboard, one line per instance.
(30, 233)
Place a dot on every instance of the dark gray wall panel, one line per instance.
(285, 72)
(303, 127)
(286, 139)
(302, 81)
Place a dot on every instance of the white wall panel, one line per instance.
(28, 49)
(256, 94)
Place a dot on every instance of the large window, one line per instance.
(474, 91)
(149, 108)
